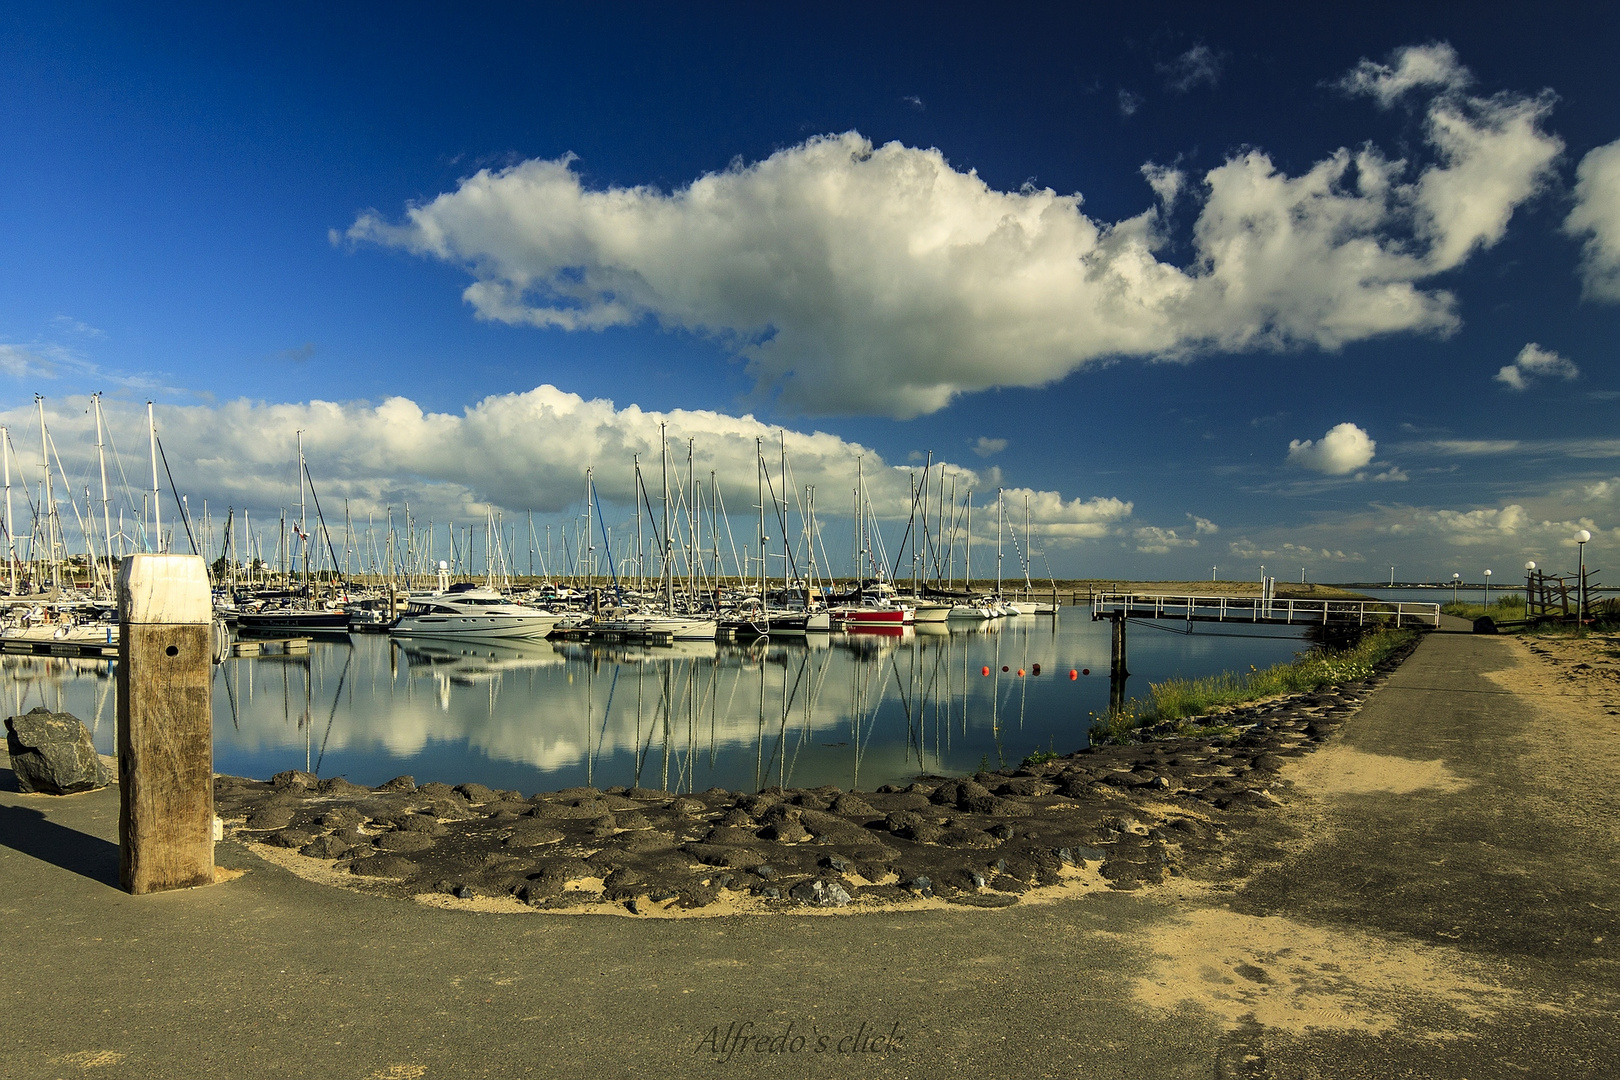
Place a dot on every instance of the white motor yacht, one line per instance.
(469, 612)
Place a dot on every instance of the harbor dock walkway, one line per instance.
(1438, 896)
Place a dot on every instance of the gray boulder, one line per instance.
(819, 892)
(52, 754)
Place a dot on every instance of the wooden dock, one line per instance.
(267, 647)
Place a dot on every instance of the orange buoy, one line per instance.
(1020, 673)
(985, 670)
(1073, 674)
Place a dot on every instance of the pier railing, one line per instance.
(1258, 609)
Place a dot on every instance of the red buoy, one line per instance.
(1003, 667)
(1036, 670)
(1085, 671)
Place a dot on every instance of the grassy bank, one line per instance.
(1180, 701)
(1509, 607)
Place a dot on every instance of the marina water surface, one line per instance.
(854, 710)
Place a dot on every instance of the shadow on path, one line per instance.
(24, 829)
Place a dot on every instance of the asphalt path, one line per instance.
(1452, 913)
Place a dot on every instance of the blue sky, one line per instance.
(1131, 264)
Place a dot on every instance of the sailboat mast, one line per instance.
(590, 547)
(1029, 548)
(47, 504)
(855, 528)
(303, 520)
(787, 545)
(810, 540)
(1000, 520)
(759, 483)
(968, 543)
(928, 546)
(157, 514)
(915, 529)
(865, 556)
(635, 497)
(11, 536)
(669, 543)
(106, 512)
(691, 528)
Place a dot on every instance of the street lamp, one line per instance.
(1487, 588)
(1580, 603)
(1212, 573)
(1529, 585)
(1455, 578)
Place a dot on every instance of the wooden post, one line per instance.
(1116, 665)
(1117, 671)
(165, 724)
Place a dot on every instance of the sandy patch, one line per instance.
(409, 1071)
(92, 1059)
(1291, 977)
(1340, 770)
(1572, 741)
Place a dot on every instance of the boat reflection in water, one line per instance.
(846, 709)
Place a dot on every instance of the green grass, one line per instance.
(1509, 607)
(1180, 700)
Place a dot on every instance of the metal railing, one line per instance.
(1262, 610)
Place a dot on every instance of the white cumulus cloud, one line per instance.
(1152, 540)
(1534, 362)
(881, 279)
(1597, 217)
(1487, 525)
(1060, 519)
(986, 446)
(1414, 67)
(510, 452)
(1343, 450)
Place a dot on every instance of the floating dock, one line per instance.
(59, 648)
(264, 647)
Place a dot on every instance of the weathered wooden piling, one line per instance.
(165, 727)
(1118, 672)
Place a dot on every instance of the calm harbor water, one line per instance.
(856, 710)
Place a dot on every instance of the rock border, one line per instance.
(1117, 817)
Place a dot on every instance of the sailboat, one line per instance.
(303, 618)
(666, 623)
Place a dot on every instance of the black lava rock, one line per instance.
(52, 754)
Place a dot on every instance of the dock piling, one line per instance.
(165, 724)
